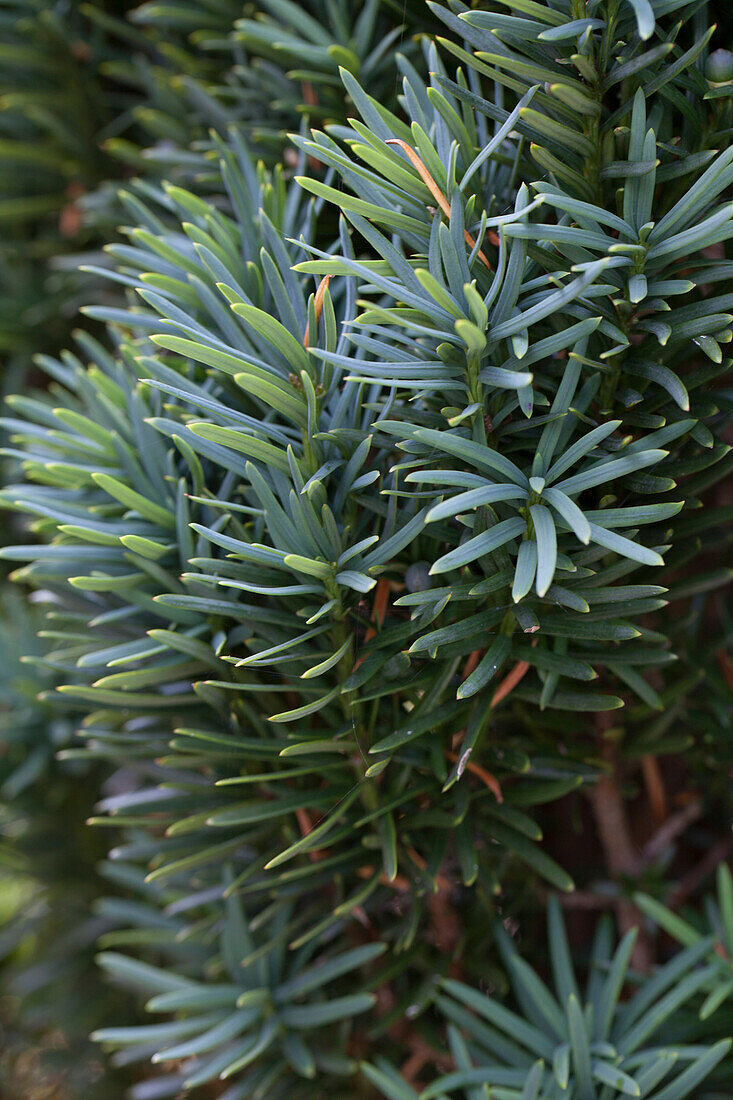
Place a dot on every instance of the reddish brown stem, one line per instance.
(621, 858)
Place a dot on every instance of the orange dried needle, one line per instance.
(434, 190)
(318, 303)
(471, 663)
(379, 610)
(726, 667)
(440, 880)
(510, 681)
(381, 597)
(505, 687)
(399, 882)
(306, 827)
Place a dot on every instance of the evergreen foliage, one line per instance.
(375, 517)
(560, 1045)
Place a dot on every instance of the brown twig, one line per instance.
(695, 878)
(620, 854)
(399, 882)
(663, 837)
(654, 787)
(306, 828)
(440, 881)
(481, 773)
(70, 215)
(422, 1055)
(471, 663)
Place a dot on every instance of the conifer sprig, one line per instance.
(361, 522)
